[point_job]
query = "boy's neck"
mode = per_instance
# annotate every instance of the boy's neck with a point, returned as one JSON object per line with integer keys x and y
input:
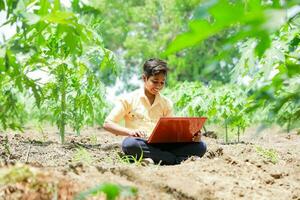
{"x": 151, "y": 97}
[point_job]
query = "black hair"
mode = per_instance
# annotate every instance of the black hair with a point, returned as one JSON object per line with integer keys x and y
{"x": 155, "y": 66}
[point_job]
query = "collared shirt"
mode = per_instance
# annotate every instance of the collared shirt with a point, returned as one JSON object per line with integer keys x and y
{"x": 137, "y": 111}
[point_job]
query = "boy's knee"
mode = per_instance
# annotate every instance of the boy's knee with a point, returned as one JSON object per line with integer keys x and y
{"x": 202, "y": 148}
{"x": 131, "y": 145}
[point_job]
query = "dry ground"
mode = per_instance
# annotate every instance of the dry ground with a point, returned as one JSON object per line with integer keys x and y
{"x": 235, "y": 171}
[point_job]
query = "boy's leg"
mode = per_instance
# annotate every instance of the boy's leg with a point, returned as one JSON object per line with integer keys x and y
{"x": 135, "y": 147}
{"x": 184, "y": 150}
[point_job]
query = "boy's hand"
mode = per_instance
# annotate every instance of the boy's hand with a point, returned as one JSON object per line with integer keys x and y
{"x": 197, "y": 137}
{"x": 137, "y": 133}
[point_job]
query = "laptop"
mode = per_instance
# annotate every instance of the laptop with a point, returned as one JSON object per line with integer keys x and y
{"x": 176, "y": 129}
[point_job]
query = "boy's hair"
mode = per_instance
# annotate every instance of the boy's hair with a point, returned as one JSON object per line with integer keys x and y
{"x": 155, "y": 66}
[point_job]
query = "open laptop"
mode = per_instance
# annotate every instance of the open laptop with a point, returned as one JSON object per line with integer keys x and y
{"x": 176, "y": 129}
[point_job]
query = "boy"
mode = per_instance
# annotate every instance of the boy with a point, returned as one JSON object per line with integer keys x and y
{"x": 141, "y": 110}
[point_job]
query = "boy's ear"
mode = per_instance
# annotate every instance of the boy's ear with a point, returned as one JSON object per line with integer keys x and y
{"x": 144, "y": 77}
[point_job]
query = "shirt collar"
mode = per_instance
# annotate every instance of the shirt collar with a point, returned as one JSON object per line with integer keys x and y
{"x": 142, "y": 95}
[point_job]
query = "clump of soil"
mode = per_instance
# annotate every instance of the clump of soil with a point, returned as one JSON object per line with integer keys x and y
{"x": 29, "y": 183}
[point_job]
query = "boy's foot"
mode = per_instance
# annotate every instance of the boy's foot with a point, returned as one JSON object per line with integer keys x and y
{"x": 180, "y": 159}
{"x": 147, "y": 162}
{"x": 191, "y": 159}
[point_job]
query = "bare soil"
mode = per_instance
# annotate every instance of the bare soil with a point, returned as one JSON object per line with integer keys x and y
{"x": 235, "y": 171}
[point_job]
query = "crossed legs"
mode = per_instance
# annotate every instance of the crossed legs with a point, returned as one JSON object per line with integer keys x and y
{"x": 166, "y": 153}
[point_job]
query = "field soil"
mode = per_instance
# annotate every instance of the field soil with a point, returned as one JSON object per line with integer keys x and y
{"x": 35, "y": 165}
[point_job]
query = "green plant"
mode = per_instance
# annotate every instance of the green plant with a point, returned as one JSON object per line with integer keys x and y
{"x": 15, "y": 174}
{"x": 93, "y": 139}
{"x": 12, "y": 109}
{"x": 253, "y": 19}
{"x": 111, "y": 191}
{"x": 288, "y": 115}
{"x": 269, "y": 154}
{"x": 40, "y": 129}
{"x": 221, "y": 104}
{"x": 129, "y": 159}
{"x": 272, "y": 30}
{"x": 51, "y": 38}
{"x": 231, "y": 104}
{"x": 25, "y": 177}
{"x": 83, "y": 156}
{"x": 5, "y": 144}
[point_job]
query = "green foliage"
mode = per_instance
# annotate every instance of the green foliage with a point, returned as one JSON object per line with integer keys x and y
{"x": 129, "y": 159}
{"x": 111, "y": 191}
{"x": 83, "y": 156}
{"x": 13, "y": 82}
{"x": 25, "y": 177}
{"x": 50, "y": 38}
{"x": 202, "y": 62}
{"x": 139, "y": 30}
{"x": 272, "y": 30}
{"x": 72, "y": 95}
{"x": 93, "y": 139}
{"x": 222, "y": 104}
{"x": 269, "y": 154}
{"x": 253, "y": 18}
{"x": 11, "y": 110}
{"x": 16, "y": 174}
{"x": 5, "y": 147}
{"x": 274, "y": 79}
{"x": 288, "y": 115}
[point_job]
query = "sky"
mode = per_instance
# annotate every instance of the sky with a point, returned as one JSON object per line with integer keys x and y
{"x": 6, "y": 31}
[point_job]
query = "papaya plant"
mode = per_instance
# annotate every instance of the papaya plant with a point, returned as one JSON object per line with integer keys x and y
{"x": 220, "y": 104}
{"x": 231, "y": 103}
{"x": 49, "y": 37}
{"x": 14, "y": 82}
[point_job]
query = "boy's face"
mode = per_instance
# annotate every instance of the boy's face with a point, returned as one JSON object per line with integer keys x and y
{"x": 154, "y": 84}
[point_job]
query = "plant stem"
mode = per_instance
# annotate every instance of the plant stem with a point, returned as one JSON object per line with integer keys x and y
{"x": 204, "y": 129}
{"x": 62, "y": 119}
{"x": 226, "y": 132}
{"x": 289, "y": 125}
{"x": 238, "y": 133}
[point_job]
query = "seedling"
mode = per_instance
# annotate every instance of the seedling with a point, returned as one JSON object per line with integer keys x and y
{"x": 129, "y": 159}
{"x": 6, "y": 146}
{"x": 93, "y": 139}
{"x": 111, "y": 191}
{"x": 269, "y": 154}
{"x": 15, "y": 174}
{"x": 83, "y": 156}
{"x": 24, "y": 175}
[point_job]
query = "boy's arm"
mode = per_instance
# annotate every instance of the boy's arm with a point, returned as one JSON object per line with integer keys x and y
{"x": 197, "y": 137}
{"x": 120, "y": 130}
{"x": 169, "y": 109}
{"x": 118, "y": 112}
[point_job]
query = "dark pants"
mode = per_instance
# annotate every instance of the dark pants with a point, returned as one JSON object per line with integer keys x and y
{"x": 165, "y": 153}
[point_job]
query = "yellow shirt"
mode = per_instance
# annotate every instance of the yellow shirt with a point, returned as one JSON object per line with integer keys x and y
{"x": 137, "y": 111}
